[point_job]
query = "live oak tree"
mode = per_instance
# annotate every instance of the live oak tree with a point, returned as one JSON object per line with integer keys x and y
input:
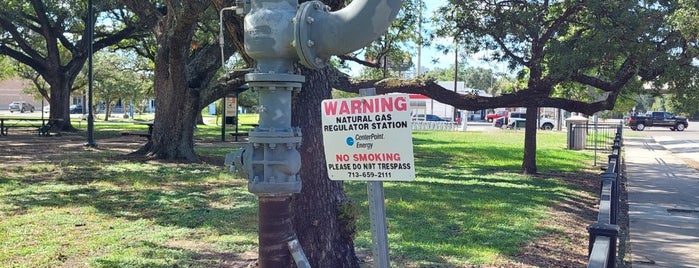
{"x": 325, "y": 236}
{"x": 323, "y": 216}
{"x": 6, "y": 69}
{"x": 473, "y": 77}
{"x": 605, "y": 47}
{"x": 684, "y": 92}
{"x": 184, "y": 72}
{"x": 50, "y": 36}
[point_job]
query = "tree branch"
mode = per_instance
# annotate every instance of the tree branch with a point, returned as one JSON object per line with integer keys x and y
{"x": 30, "y": 57}
{"x": 360, "y": 61}
{"x": 471, "y": 102}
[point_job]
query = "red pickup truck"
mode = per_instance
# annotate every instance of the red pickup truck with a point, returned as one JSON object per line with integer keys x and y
{"x": 496, "y": 115}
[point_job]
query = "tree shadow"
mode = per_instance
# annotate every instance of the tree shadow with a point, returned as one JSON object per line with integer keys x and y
{"x": 461, "y": 216}
{"x": 167, "y": 194}
{"x": 180, "y": 256}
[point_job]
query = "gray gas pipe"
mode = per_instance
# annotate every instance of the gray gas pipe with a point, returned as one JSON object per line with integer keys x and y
{"x": 279, "y": 33}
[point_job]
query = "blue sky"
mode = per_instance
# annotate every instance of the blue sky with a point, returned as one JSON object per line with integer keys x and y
{"x": 442, "y": 60}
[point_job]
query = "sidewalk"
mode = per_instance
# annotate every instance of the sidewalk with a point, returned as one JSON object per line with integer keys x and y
{"x": 663, "y": 196}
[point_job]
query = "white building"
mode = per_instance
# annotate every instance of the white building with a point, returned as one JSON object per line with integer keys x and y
{"x": 421, "y": 104}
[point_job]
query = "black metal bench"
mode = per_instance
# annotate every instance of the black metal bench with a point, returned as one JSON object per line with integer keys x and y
{"x": 42, "y": 126}
{"x": 145, "y": 135}
{"x": 236, "y": 135}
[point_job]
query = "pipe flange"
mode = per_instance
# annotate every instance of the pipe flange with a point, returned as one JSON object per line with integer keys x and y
{"x": 243, "y": 161}
{"x": 303, "y": 41}
{"x": 274, "y": 77}
{"x": 276, "y": 188}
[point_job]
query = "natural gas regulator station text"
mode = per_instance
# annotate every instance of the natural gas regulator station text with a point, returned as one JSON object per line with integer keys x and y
{"x": 364, "y": 122}
{"x": 365, "y": 115}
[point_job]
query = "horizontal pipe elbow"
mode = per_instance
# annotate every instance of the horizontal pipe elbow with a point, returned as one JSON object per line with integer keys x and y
{"x": 319, "y": 33}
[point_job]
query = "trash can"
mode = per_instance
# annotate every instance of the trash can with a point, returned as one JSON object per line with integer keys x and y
{"x": 577, "y": 132}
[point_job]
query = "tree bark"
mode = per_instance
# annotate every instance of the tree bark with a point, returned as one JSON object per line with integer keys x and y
{"x": 326, "y": 236}
{"x": 529, "y": 160}
{"x": 60, "y": 102}
{"x": 176, "y": 103}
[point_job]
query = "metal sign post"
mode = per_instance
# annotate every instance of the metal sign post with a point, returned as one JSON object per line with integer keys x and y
{"x": 377, "y": 212}
{"x": 223, "y": 118}
{"x": 379, "y": 230}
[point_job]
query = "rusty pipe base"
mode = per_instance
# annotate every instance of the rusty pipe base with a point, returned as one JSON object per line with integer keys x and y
{"x": 275, "y": 231}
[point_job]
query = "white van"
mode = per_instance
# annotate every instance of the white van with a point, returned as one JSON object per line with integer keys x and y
{"x": 544, "y": 123}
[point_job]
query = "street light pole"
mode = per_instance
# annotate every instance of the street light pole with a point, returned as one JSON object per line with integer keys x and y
{"x": 90, "y": 37}
{"x": 419, "y": 40}
{"x": 456, "y": 72}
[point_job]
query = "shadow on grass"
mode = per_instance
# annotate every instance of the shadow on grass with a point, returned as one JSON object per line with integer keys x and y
{"x": 183, "y": 256}
{"x": 561, "y": 247}
{"x": 469, "y": 218}
{"x": 169, "y": 195}
{"x": 460, "y": 211}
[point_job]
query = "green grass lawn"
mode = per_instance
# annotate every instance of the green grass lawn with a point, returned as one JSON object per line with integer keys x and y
{"x": 468, "y": 205}
{"x": 210, "y": 131}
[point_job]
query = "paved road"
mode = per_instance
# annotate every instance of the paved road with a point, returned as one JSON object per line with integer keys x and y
{"x": 663, "y": 198}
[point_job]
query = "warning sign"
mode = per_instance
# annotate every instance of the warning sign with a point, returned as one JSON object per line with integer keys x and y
{"x": 369, "y": 138}
{"x": 231, "y": 106}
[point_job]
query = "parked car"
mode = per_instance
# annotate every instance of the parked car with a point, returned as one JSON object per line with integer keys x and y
{"x": 47, "y": 109}
{"x": 514, "y": 118}
{"x": 496, "y": 115}
{"x": 428, "y": 117}
{"x": 21, "y": 106}
{"x": 76, "y": 109}
{"x": 657, "y": 119}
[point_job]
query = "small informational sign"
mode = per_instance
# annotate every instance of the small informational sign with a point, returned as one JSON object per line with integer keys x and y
{"x": 369, "y": 138}
{"x": 231, "y": 106}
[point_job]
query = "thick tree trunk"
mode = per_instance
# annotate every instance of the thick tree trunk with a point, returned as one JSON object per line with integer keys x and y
{"x": 176, "y": 102}
{"x": 173, "y": 128}
{"x": 326, "y": 237}
{"x": 200, "y": 119}
{"x": 175, "y": 115}
{"x": 60, "y": 102}
{"x": 529, "y": 161}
